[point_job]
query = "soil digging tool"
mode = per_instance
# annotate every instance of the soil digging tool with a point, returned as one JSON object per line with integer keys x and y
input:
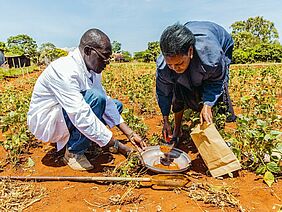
{"x": 160, "y": 180}
{"x": 168, "y": 143}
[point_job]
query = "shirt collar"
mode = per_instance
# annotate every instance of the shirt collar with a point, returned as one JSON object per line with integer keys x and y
{"x": 76, "y": 55}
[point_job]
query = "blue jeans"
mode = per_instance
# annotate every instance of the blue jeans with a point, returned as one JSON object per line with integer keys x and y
{"x": 78, "y": 143}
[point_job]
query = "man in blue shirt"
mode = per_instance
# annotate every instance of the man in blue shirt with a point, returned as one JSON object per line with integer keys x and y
{"x": 193, "y": 71}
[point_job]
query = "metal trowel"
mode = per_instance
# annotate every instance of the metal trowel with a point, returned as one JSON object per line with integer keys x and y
{"x": 166, "y": 147}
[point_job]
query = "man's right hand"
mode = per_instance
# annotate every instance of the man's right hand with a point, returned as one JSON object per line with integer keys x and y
{"x": 123, "y": 149}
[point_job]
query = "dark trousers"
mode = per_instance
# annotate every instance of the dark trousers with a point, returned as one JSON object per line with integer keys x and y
{"x": 185, "y": 98}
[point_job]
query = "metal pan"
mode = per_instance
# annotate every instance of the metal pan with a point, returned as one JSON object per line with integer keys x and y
{"x": 152, "y": 155}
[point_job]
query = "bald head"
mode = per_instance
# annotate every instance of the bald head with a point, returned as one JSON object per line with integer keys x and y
{"x": 97, "y": 39}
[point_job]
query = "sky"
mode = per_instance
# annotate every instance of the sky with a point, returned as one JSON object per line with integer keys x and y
{"x": 133, "y": 23}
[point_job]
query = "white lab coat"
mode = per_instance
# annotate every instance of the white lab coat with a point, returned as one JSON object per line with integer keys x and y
{"x": 59, "y": 86}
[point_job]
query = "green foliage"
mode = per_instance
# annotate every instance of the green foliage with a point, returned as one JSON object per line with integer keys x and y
{"x": 129, "y": 167}
{"x": 13, "y": 72}
{"x": 268, "y": 178}
{"x": 46, "y": 46}
{"x": 150, "y": 54}
{"x": 49, "y": 52}
{"x": 22, "y": 45}
{"x": 263, "y": 52}
{"x": 134, "y": 84}
{"x": 244, "y": 40}
{"x": 116, "y": 47}
{"x": 154, "y": 50}
{"x": 267, "y": 52}
{"x": 3, "y": 46}
{"x": 256, "y": 137}
{"x": 14, "y": 105}
{"x": 139, "y": 56}
{"x": 154, "y": 140}
{"x": 258, "y": 27}
{"x": 134, "y": 122}
{"x": 255, "y": 40}
{"x": 241, "y": 56}
{"x": 126, "y": 56}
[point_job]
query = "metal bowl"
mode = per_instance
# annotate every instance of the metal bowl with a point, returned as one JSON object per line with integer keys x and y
{"x": 153, "y": 155}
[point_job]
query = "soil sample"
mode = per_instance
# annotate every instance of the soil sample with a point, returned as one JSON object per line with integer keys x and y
{"x": 167, "y": 166}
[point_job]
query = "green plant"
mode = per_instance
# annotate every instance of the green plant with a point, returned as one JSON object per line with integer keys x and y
{"x": 128, "y": 167}
{"x": 14, "y": 105}
{"x": 134, "y": 122}
{"x": 257, "y": 135}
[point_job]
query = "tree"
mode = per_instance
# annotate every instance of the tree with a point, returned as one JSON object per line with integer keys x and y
{"x": 22, "y": 45}
{"x": 240, "y": 56}
{"x": 253, "y": 31}
{"x": 245, "y": 40}
{"x": 154, "y": 49}
{"x": 46, "y": 46}
{"x": 139, "y": 56}
{"x": 126, "y": 56}
{"x": 116, "y": 47}
{"x": 255, "y": 40}
{"x": 3, "y": 46}
{"x": 150, "y": 54}
{"x": 49, "y": 52}
{"x": 267, "y": 52}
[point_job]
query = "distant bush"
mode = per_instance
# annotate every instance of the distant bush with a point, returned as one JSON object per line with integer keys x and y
{"x": 263, "y": 52}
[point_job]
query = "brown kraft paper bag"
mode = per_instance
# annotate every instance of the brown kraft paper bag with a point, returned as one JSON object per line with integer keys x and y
{"x": 216, "y": 154}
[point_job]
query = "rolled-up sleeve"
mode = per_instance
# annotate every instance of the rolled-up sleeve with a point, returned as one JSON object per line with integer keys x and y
{"x": 67, "y": 93}
{"x": 111, "y": 114}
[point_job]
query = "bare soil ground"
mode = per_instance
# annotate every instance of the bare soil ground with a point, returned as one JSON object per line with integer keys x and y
{"x": 249, "y": 189}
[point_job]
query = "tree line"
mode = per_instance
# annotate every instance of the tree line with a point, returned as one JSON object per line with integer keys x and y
{"x": 25, "y": 45}
{"x": 255, "y": 40}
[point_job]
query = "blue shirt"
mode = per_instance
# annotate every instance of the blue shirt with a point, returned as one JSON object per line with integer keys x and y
{"x": 208, "y": 70}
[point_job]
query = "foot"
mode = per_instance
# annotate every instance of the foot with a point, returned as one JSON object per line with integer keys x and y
{"x": 77, "y": 161}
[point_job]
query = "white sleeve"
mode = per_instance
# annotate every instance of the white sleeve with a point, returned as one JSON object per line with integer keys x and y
{"x": 67, "y": 93}
{"x": 111, "y": 115}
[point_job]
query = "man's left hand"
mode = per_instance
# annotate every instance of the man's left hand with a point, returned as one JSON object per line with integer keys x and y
{"x": 137, "y": 141}
{"x": 206, "y": 114}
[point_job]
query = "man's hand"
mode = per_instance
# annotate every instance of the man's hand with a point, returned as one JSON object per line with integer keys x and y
{"x": 206, "y": 114}
{"x": 137, "y": 141}
{"x": 123, "y": 149}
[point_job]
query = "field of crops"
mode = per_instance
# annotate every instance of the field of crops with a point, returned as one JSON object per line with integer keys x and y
{"x": 255, "y": 139}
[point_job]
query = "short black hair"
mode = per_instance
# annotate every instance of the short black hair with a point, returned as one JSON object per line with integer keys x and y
{"x": 176, "y": 40}
{"x": 95, "y": 38}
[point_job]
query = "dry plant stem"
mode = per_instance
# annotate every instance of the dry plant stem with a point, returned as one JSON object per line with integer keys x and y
{"x": 274, "y": 194}
{"x": 131, "y": 188}
{"x": 198, "y": 205}
{"x": 204, "y": 191}
{"x": 18, "y": 196}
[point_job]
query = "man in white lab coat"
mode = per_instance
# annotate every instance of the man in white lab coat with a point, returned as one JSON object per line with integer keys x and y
{"x": 69, "y": 105}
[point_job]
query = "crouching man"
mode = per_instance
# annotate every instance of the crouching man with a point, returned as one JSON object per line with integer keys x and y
{"x": 69, "y": 105}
